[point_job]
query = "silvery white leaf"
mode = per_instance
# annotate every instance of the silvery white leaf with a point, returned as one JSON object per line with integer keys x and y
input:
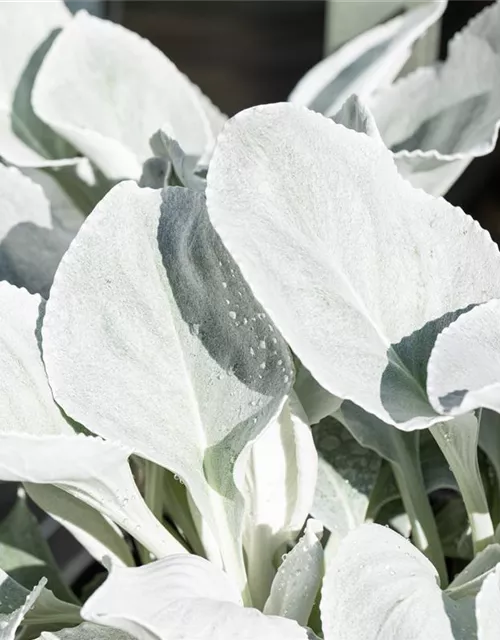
{"x": 96, "y": 533}
{"x": 278, "y": 488}
{"x": 190, "y": 369}
{"x": 316, "y": 401}
{"x": 86, "y": 631}
{"x": 379, "y": 585}
{"x": 356, "y": 115}
{"x": 439, "y": 118}
{"x": 33, "y": 235}
{"x": 488, "y": 607}
{"x": 464, "y": 367}
{"x": 111, "y": 122}
{"x": 340, "y": 295}
{"x": 298, "y": 579}
{"x": 368, "y": 62}
{"x": 469, "y": 581}
{"x": 26, "y": 32}
{"x": 38, "y": 445}
{"x": 16, "y": 18}
{"x": 181, "y": 597}
{"x": 347, "y": 473}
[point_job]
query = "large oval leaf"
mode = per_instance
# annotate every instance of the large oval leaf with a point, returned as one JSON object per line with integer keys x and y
{"x": 358, "y": 270}
{"x": 381, "y": 574}
{"x": 189, "y": 368}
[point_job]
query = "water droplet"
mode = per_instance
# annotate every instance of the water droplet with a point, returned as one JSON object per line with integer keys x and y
{"x": 286, "y": 378}
{"x": 274, "y": 340}
{"x": 195, "y": 329}
{"x": 245, "y": 320}
{"x": 254, "y": 420}
{"x": 280, "y": 362}
{"x": 224, "y": 284}
{"x": 228, "y": 301}
{"x": 220, "y": 376}
{"x": 232, "y": 315}
{"x": 283, "y": 557}
{"x": 262, "y": 365}
{"x": 252, "y": 352}
{"x": 262, "y": 344}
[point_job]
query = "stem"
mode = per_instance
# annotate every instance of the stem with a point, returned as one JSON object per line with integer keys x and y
{"x": 153, "y": 488}
{"x": 410, "y": 481}
{"x": 178, "y": 510}
{"x": 230, "y": 550}
{"x": 458, "y": 442}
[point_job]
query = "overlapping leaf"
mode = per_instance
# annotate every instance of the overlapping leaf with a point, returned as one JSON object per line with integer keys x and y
{"x": 181, "y": 597}
{"x": 464, "y": 367}
{"x": 34, "y": 233}
{"x": 439, "y": 118}
{"x": 380, "y": 575}
{"x": 38, "y": 445}
{"x": 24, "y": 139}
{"x": 126, "y": 89}
{"x": 368, "y": 62}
